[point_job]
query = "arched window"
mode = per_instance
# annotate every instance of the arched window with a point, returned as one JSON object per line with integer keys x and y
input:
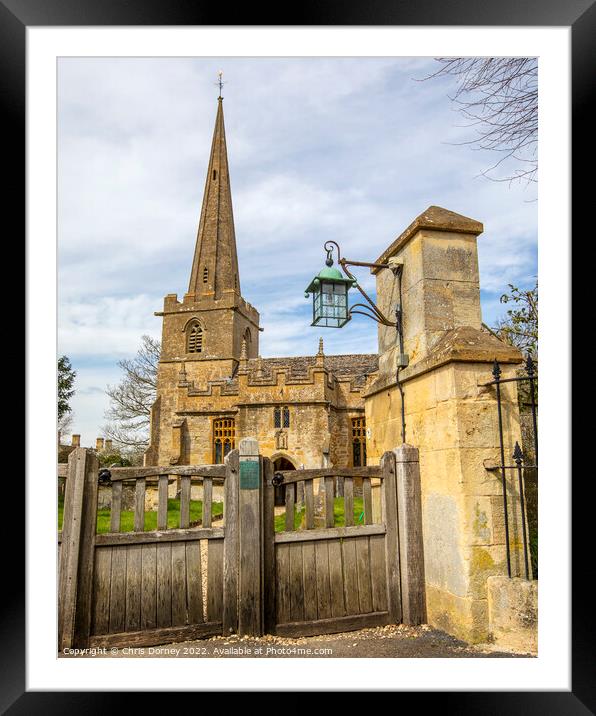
{"x": 247, "y": 337}
{"x": 224, "y": 438}
{"x": 194, "y": 338}
{"x": 358, "y": 442}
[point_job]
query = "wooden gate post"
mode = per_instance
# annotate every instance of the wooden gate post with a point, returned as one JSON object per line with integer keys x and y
{"x": 389, "y": 515}
{"x": 268, "y": 590}
{"x": 231, "y": 545}
{"x": 411, "y": 548}
{"x": 250, "y": 514}
{"x": 77, "y": 550}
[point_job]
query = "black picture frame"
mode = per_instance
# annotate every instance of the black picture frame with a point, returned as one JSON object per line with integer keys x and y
{"x": 579, "y": 15}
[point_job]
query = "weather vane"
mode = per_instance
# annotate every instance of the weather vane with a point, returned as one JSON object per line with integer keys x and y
{"x": 220, "y": 82}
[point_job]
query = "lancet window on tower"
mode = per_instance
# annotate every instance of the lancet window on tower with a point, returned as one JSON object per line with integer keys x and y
{"x": 194, "y": 338}
{"x": 205, "y": 274}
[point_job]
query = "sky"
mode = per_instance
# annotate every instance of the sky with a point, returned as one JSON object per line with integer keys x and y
{"x": 349, "y": 149}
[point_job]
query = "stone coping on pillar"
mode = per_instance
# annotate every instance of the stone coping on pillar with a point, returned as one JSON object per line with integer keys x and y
{"x": 459, "y": 345}
{"x": 435, "y": 218}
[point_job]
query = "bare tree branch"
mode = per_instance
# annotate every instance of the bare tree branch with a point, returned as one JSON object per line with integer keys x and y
{"x": 65, "y": 423}
{"x": 131, "y": 400}
{"x": 499, "y": 98}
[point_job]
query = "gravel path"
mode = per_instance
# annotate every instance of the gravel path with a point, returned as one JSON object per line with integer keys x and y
{"x": 391, "y": 641}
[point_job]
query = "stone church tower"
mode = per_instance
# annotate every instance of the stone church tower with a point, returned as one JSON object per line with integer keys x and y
{"x": 213, "y": 387}
{"x": 207, "y": 328}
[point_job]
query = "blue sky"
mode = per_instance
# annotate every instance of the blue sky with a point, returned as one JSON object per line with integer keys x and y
{"x": 350, "y": 149}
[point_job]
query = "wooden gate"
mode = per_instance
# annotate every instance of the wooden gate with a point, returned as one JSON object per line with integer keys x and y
{"x": 176, "y": 575}
{"x": 330, "y": 568}
{"x": 145, "y": 586}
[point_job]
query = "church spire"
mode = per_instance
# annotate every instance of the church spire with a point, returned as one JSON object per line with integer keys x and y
{"x": 215, "y": 264}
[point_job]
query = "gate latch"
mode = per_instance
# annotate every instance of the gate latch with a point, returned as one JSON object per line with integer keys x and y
{"x": 277, "y": 479}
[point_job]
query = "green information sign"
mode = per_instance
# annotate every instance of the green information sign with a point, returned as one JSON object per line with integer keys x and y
{"x": 249, "y": 474}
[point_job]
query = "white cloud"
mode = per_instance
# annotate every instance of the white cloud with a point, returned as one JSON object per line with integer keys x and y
{"x": 107, "y": 326}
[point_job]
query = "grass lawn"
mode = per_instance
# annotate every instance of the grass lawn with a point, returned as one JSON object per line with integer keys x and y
{"x": 196, "y": 515}
{"x": 339, "y": 517}
{"x": 127, "y": 516}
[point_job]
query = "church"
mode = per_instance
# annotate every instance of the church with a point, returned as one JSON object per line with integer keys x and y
{"x": 213, "y": 386}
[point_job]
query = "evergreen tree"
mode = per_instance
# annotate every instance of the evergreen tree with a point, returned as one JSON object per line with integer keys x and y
{"x": 66, "y": 379}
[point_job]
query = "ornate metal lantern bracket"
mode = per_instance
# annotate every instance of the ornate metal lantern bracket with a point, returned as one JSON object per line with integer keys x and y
{"x": 371, "y": 310}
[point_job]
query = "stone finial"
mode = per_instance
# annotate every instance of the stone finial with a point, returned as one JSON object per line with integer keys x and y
{"x": 76, "y": 441}
{"x": 320, "y": 358}
{"x": 259, "y": 367}
{"x": 99, "y": 443}
{"x": 243, "y": 351}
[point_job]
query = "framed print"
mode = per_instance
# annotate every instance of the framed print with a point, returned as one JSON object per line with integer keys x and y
{"x": 237, "y": 485}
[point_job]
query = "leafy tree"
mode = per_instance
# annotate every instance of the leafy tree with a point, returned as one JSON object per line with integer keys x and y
{"x": 131, "y": 400}
{"x": 66, "y": 379}
{"x": 114, "y": 458}
{"x": 499, "y": 97}
{"x": 520, "y": 327}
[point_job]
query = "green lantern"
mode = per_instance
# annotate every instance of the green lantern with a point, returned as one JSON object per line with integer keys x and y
{"x": 330, "y": 297}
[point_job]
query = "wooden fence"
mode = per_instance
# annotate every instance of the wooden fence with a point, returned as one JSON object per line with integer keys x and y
{"x": 190, "y": 581}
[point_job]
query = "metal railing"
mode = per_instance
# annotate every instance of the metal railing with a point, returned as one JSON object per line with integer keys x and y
{"x": 521, "y": 464}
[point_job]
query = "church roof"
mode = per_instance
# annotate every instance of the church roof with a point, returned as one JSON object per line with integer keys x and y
{"x": 351, "y": 365}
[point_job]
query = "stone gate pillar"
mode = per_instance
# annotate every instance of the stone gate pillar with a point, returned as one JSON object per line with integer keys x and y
{"x": 451, "y": 416}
